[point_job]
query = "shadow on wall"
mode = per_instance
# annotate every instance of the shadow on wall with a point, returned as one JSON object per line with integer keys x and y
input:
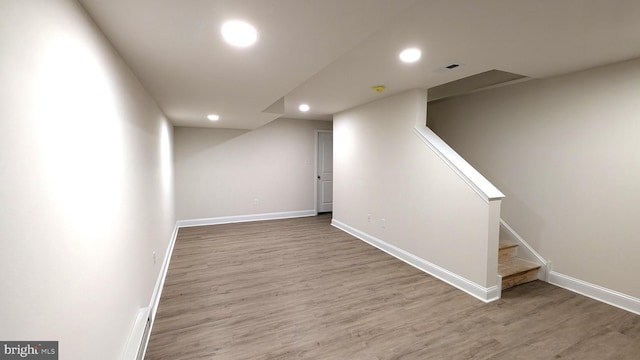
{"x": 209, "y": 138}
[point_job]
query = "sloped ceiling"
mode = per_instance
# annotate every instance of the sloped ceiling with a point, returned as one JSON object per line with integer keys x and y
{"x": 329, "y": 53}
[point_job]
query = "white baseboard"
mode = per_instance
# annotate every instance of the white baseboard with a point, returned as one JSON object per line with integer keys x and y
{"x": 468, "y": 286}
{"x": 137, "y": 340}
{"x": 608, "y": 296}
{"x": 157, "y": 290}
{"x": 596, "y": 292}
{"x": 246, "y": 218}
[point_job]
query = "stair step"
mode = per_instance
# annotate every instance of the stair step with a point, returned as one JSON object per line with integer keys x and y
{"x": 507, "y": 244}
{"x": 507, "y": 249}
{"x": 515, "y": 271}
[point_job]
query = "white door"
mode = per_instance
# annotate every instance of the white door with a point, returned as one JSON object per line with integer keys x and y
{"x": 325, "y": 172}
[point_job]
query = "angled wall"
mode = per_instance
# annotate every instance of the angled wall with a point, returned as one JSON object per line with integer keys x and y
{"x": 391, "y": 188}
{"x": 86, "y": 185}
{"x": 565, "y": 152}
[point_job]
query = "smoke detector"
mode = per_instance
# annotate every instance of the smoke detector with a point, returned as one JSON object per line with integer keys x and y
{"x": 378, "y": 88}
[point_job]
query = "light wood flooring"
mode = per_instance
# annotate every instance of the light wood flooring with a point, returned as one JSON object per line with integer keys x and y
{"x": 301, "y": 289}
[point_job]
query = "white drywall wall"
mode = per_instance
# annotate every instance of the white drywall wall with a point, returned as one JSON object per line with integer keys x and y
{"x": 86, "y": 186}
{"x": 565, "y": 152}
{"x": 224, "y": 172}
{"x": 414, "y": 200}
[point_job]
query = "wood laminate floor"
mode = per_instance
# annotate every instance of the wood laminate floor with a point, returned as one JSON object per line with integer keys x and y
{"x": 301, "y": 289}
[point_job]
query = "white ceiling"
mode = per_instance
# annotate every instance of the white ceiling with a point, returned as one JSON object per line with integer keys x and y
{"x": 329, "y": 53}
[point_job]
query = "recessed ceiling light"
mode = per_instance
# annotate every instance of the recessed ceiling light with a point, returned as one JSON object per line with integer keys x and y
{"x": 239, "y": 33}
{"x": 213, "y": 117}
{"x": 304, "y": 107}
{"x": 410, "y": 55}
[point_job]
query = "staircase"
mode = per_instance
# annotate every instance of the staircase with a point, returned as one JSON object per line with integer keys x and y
{"x": 514, "y": 270}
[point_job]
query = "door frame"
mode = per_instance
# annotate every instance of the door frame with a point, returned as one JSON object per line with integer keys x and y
{"x": 315, "y": 169}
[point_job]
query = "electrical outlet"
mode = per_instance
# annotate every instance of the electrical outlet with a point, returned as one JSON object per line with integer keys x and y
{"x": 154, "y": 258}
{"x": 369, "y": 218}
{"x": 256, "y": 201}
{"x": 383, "y": 223}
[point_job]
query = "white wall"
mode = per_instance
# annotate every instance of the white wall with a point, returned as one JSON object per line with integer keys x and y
{"x": 565, "y": 152}
{"x": 220, "y": 172}
{"x": 382, "y": 168}
{"x": 86, "y": 186}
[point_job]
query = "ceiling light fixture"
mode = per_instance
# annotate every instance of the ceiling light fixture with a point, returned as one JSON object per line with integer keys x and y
{"x": 304, "y": 107}
{"x": 213, "y": 117}
{"x": 239, "y": 33}
{"x": 410, "y": 55}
